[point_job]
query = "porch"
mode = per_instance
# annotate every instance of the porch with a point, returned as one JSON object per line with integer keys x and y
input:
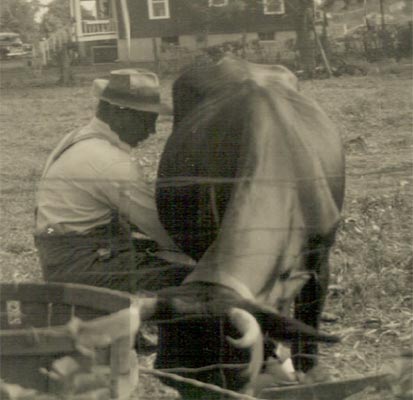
{"x": 100, "y": 29}
{"x": 94, "y": 20}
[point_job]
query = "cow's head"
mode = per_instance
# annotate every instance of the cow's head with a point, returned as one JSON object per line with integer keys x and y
{"x": 218, "y": 334}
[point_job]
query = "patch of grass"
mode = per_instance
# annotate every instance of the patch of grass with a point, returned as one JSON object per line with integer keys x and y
{"x": 358, "y": 108}
{"x": 372, "y": 225}
{"x": 372, "y": 264}
{"x": 17, "y": 248}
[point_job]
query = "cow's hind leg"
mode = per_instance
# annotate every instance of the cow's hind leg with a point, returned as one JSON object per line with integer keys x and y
{"x": 310, "y": 302}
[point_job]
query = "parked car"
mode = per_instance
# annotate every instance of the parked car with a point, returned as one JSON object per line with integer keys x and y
{"x": 11, "y": 46}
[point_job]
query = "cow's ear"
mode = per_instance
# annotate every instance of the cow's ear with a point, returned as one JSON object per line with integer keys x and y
{"x": 286, "y": 329}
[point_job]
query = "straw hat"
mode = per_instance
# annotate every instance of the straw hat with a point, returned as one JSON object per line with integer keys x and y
{"x": 137, "y": 89}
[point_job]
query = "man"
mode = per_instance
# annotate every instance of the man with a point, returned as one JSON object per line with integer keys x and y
{"x": 92, "y": 191}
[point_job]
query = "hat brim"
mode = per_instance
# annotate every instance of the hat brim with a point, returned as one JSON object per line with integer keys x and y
{"x": 99, "y": 86}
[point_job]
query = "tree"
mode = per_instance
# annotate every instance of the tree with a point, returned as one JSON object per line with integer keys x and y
{"x": 58, "y": 16}
{"x": 18, "y": 16}
{"x": 408, "y": 9}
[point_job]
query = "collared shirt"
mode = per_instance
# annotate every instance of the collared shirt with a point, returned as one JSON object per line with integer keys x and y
{"x": 80, "y": 188}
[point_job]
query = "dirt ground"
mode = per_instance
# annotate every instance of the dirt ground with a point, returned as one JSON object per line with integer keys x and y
{"x": 370, "y": 300}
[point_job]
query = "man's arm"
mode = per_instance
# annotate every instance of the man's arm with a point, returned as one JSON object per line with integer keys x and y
{"x": 137, "y": 204}
{"x": 124, "y": 189}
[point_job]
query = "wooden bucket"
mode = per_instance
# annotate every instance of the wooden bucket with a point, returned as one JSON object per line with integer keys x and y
{"x": 32, "y": 338}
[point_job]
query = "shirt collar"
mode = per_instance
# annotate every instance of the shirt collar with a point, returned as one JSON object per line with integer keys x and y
{"x": 97, "y": 125}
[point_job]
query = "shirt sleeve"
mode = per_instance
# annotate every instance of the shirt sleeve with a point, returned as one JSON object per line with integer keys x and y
{"x": 123, "y": 188}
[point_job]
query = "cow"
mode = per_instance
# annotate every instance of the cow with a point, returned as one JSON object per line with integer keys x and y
{"x": 250, "y": 185}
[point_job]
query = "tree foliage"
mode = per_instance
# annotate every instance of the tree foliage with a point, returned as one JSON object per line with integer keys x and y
{"x": 56, "y": 17}
{"x": 409, "y": 7}
{"x": 18, "y": 16}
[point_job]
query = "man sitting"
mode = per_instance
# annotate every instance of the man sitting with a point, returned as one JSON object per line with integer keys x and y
{"x": 92, "y": 191}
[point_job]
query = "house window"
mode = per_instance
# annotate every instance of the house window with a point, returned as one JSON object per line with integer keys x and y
{"x": 274, "y": 7}
{"x": 158, "y": 9}
{"x": 217, "y": 3}
{"x": 266, "y": 35}
{"x": 170, "y": 40}
{"x": 169, "y": 43}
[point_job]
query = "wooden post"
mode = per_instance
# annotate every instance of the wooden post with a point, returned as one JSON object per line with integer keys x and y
{"x": 65, "y": 61}
{"x": 305, "y": 40}
{"x": 324, "y": 34}
{"x": 124, "y": 368}
{"x": 323, "y": 54}
{"x": 43, "y": 54}
{"x": 384, "y": 41}
{"x": 244, "y": 43}
{"x": 383, "y": 23}
{"x": 156, "y": 56}
{"x": 78, "y": 18}
{"x": 126, "y": 26}
{"x": 320, "y": 47}
{"x": 72, "y": 9}
{"x": 47, "y": 48}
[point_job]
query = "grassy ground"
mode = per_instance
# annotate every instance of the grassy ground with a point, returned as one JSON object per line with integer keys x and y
{"x": 370, "y": 301}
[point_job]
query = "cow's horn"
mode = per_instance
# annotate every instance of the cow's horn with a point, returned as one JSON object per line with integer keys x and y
{"x": 247, "y": 325}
